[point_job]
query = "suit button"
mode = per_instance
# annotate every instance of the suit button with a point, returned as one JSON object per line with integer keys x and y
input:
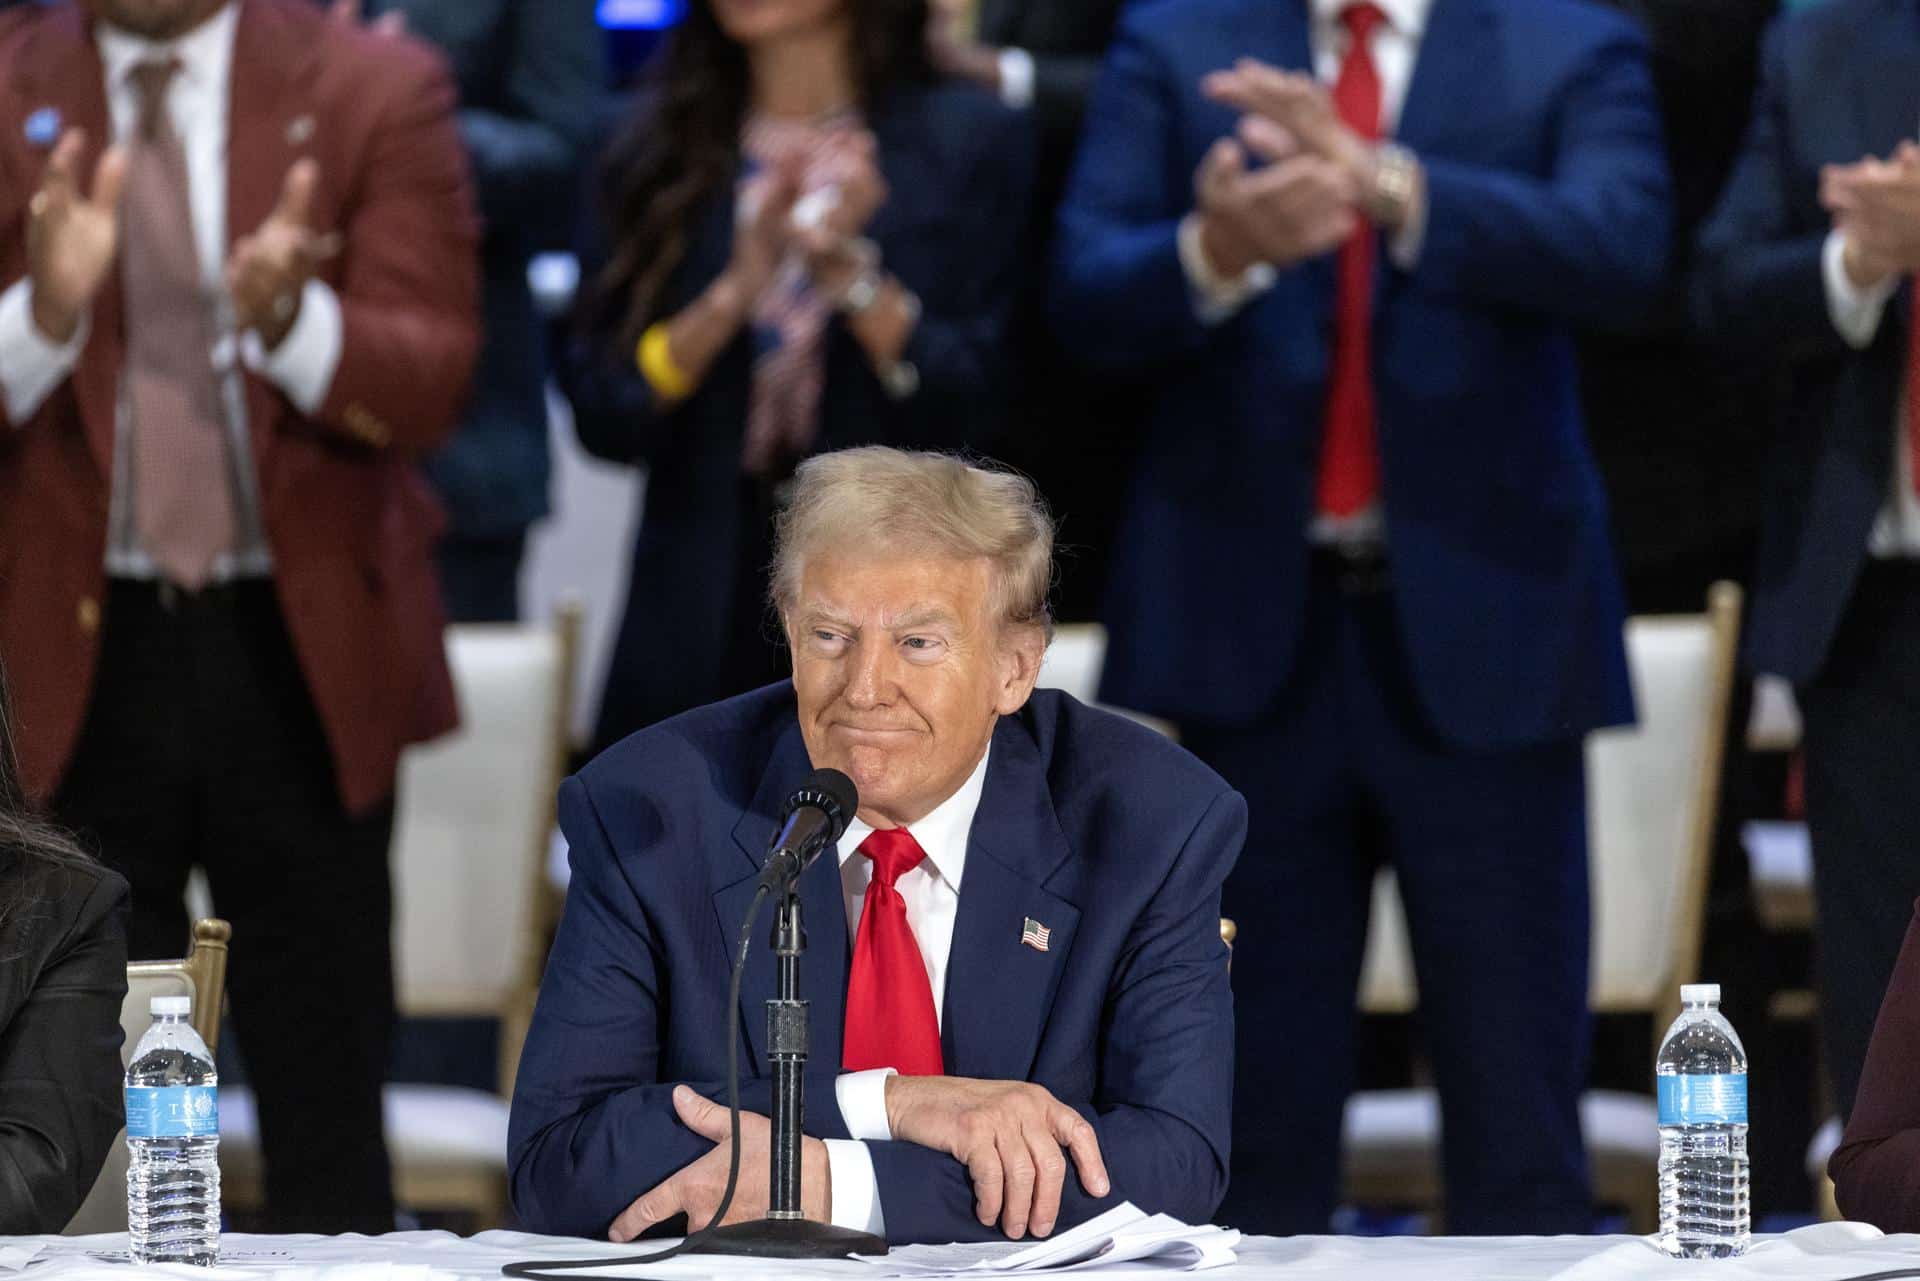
{"x": 89, "y": 615}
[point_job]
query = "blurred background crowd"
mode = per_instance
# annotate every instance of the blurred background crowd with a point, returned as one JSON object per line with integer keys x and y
{"x": 1374, "y": 383}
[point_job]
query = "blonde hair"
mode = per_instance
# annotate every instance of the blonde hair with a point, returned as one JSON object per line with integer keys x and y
{"x": 877, "y": 498}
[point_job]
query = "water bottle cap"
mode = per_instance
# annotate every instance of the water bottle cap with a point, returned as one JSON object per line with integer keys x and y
{"x": 181, "y": 1005}
{"x": 1700, "y": 994}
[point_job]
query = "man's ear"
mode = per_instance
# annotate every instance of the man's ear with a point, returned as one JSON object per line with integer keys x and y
{"x": 1021, "y": 651}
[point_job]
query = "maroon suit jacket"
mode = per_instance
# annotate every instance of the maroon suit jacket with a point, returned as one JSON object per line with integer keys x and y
{"x": 1876, "y": 1169}
{"x": 350, "y": 524}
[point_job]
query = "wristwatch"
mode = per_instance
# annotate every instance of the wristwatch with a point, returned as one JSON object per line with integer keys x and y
{"x": 1396, "y": 174}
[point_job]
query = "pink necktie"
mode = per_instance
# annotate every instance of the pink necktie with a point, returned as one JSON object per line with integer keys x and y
{"x": 182, "y": 484}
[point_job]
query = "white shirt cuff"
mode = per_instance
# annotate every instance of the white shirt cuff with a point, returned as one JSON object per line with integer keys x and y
{"x": 31, "y": 364}
{"x": 856, "y": 1194}
{"x": 304, "y": 363}
{"x": 1404, "y": 246}
{"x": 1217, "y": 299}
{"x": 862, "y": 1097}
{"x": 1855, "y": 311}
{"x": 1016, "y": 78}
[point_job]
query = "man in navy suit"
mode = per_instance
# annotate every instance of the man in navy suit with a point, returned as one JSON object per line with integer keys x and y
{"x": 1367, "y": 567}
{"x": 1023, "y": 920}
{"x": 1811, "y": 257}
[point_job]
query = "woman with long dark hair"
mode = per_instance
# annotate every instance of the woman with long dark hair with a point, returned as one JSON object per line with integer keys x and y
{"x": 812, "y": 244}
{"x": 63, "y": 975}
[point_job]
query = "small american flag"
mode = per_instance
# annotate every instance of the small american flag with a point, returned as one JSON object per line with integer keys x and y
{"x": 1035, "y": 935}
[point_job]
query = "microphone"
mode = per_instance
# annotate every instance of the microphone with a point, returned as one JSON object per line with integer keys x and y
{"x": 816, "y": 814}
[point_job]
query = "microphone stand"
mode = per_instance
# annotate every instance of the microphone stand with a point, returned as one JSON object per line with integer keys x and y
{"x": 786, "y": 1233}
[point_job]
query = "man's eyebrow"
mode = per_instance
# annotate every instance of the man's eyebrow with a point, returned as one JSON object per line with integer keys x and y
{"x": 930, "y": 616}
{"x": 821, "y": 612}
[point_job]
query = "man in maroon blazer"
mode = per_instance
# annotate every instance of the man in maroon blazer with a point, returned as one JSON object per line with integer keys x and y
{"x": 238, "y": 298}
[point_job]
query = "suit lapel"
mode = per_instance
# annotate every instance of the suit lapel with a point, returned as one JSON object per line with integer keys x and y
{"x": 1457, "y": 78}
{"x": 823, "y": 971}
{"x": 271, "y": 123}
{"x": 1888, "y": 87}
{"x": 68, "y": 77}
{"x": 999, "y": 990}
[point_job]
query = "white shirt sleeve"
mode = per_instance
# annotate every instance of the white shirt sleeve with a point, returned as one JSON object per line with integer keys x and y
{"x": 304, "y": 363}
{"x": 856, "y": 1194}
{"x": 1217, "y": 299}
{"x": 1856, "y": 312}
{"x": 1016, "y": 78}
{"x": 1404, "y": 246}
{"x": 862, "y": 1097}
{"x": 31, "y": 365}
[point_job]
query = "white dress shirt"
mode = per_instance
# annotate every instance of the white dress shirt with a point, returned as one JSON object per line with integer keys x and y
{"x": 1857, "y": 314}
{"x": 303, "y": 366}
{"x": 932, "y": 894}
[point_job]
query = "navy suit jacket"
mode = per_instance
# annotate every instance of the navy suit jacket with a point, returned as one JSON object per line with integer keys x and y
{"x": 531, "y": 76}
{"x": 1837, "y": 83}
{"x": 1548, "y": 210}
{"x": 1107, "y": 834}
{"x": 958, "y": 168}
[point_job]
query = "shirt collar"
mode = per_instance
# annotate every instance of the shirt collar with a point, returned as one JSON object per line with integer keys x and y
{"x": 205, "y": 53}
{"x": 1408, "y": 18}
{"x": 942, "y": 834}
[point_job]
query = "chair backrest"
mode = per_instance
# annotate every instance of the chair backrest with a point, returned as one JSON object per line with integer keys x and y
{"x": 1073, "y": 664}
{"x": 474, "y": 815}
{"x": 1652, "y": 802}
{"x": 201, "y": 976}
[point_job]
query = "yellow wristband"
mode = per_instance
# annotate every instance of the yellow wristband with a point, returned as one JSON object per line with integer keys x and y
{"x": 655, "y": 359}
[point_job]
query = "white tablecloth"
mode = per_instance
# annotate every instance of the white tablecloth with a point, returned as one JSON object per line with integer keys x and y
{"x": 1828, "y": 1252}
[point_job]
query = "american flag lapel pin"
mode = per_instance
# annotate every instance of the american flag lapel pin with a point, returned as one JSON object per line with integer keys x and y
{"x": 1035, "y": 935}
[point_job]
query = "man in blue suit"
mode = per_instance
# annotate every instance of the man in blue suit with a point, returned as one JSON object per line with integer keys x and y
{"x": 1367, "y": 568}
{"x": 1811, "y": 257}
{"x": 1023, "y": 919}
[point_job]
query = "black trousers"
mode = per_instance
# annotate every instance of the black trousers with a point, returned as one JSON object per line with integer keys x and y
{"x": 1862, "y": 721}
{"x": 1491, "y": 855}
{"x": 202, "y": 747}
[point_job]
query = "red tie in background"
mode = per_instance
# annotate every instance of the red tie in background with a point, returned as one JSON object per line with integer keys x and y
{"x": 890, "y": 1016}
{"x": 1349, "y": 456}
{"x": 1913, "y": 386}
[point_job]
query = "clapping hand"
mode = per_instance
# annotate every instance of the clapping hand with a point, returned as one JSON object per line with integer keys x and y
{"x": 1297, "y": 104}
{"x": 73, "y": 232}
{"x": 831, "y": 219}
{"x": 1298, "y": 206}
{"x": 1876, "y": 206}
{"x": 268, "y": 270}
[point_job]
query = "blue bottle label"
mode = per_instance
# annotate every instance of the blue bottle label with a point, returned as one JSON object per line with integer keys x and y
{"x": 1703, "y": 1100}
{"x": 173, "y": 1111}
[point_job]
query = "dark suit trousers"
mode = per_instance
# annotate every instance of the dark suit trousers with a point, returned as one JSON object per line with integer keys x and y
{"x": 1490, "y": 850}
{"x": 1862, "y": 716}
{"x": 202, "y": 746}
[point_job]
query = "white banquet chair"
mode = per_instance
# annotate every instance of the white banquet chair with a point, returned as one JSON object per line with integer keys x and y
{"x": 1652, "y": 799}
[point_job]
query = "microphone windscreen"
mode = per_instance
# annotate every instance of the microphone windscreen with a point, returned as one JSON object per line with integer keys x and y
{"x": 833, "y": 792}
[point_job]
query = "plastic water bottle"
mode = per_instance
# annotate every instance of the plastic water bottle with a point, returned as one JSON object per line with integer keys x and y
{"x": 173, "y": 1142}
{"x": 1706, "y": 1211}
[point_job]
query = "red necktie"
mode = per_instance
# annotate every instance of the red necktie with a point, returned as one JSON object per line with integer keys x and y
{"x": 890, "y": 1016}
{"x": 1913, "y": 386}
{"x": 1349, "y": 456}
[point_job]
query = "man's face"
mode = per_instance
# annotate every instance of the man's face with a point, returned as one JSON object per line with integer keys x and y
{"x": 901, "y": 670}
{"x": 154, "y": 19}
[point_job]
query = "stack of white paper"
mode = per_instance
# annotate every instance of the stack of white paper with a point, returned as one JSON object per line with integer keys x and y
{"x": 1124, "y": 1234}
